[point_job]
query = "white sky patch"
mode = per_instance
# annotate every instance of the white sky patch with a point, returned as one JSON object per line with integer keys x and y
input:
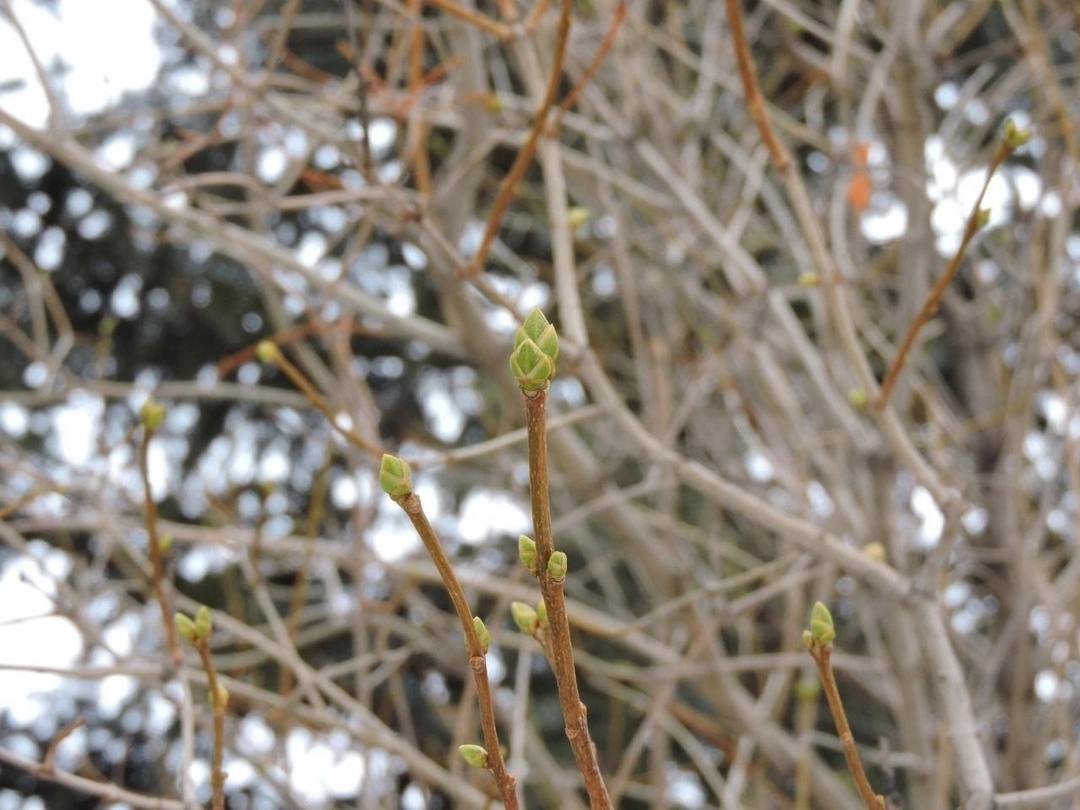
{"x": 487, "y": 512}
{"x": 103, "y": 55}
{"x": 885, "y": 224}
{"x": 51, "y": 641}
{"x": 931, "y": 518}
{"x": 323, "y": 768}
{"x": 77, "y": 426}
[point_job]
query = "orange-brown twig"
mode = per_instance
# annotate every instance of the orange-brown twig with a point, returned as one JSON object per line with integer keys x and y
{"x": 551, "y": 587}
{"x": 754, "y": 99}
{"x": 937, "y": 292}
{"x": 594, "y": 65}
{"x": 474, "y": 17}
{"x": 521, "y": 162}
{"x": 823, "y": 660}
{"x": 151, "y": 416}
{"x": 268, "y": 351}
{"x": 400, "y": 490}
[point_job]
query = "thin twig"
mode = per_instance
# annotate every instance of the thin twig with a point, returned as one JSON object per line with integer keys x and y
{"x": 157, "y": 562}
{"x": 937, "y": 292}
{"x": 598, "y": 59}
{"x": 504, "y": 780}
{"x": 754, "y": 99}
{"x": 268, "y": 351}
{"x": 562, "y": 652}
{"x": 524, "y": 157}
{"x": 219, "y": 699}
{"x": 822, "y": 655}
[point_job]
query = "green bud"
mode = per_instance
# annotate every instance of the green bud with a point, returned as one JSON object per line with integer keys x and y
{"x": 530, "y": 366}
{"x": 184, "y": 626}
{"x": 204, "y": 623}
{"x": 475, "y": 755}
{"x": 537, "y": 329}
{"x": 982, "y": 218}
{"x": 482, "y": 633}
{"x": 822, "y": 630}
{"x": 875, "y": 551}
{"x": 165, "y": 543}
{"x": 556, "y": 567}
{"x": 1015, "y": 136}
{"x": 808, "y": 639}
{"x": 524, "y": 617}
{"x": 577, "y": 216}
{"x": 809, "y": 279}
{"x": 395, "y": 477}
{"x": 858, "y": 398}
{"x": 267, "y": 351}
{"x": 527, "y": 552}
{"x": 541, "y": 612}
{"x": 222, "y": 697}
{"x": 807, "y": 689}
{"x": 152, "y": 414}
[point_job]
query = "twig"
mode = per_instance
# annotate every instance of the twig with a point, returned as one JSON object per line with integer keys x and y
{"x": 106, "y": 791}
{"x": 533, "y": 365}
{"x": 819, "y": 642}
{"x": 152, "y": 415}
{"x": 754, "y": 99}
{"x": 474, "y": 17}
{"x": 268, "y": 352}
{"x": 396, "y": 480}
{"x": 598, "y": 59}
{"x": 521, "y": 162}
{"x": 976, "y": 219}
{"x": 198, "y": 632}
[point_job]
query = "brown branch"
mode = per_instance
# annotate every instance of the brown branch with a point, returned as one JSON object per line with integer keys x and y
{"x": 504, "y": 780}
{"x": 524, "y": 157}
{"x": 267, "y": 351}
{"x": 219, "y": 699}
{"x": 818, "y": 641}
{"x": 594, "y": 65}
{"x": 474, "y": 17}
{"x": 157, "y": 562}
{"x": 754, "y": 99}
{"x": 937, "y": 292}
{"x": 561, "y": 649}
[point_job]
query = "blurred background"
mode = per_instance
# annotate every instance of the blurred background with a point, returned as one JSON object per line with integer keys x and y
{"x": 180, "y": 179}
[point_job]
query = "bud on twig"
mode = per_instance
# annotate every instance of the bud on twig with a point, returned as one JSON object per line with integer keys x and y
{"x": 204, "y": 625}
{"x": 482, "y": 633}
{"x": 395, "y": 477}
{"x": 577, "y": 216}
{"x": 527, "y": 552}
{"x": 541, "y": 613}
{"x": 475, "y": 755}
{"x": 184, "y": 626}
{"x": 530, "y": 366}
{"x": 875, "y": 551}
{"x": 221, "y": 698}
{"x": 536, "y": 347}
{"x": 165, "y": 543}
{"x": 152, "y": 414}
{"x": 556, "y": 567}
{"x": 858, "y": 398}
{"x": 525, "y": 617}
{"x": 267, "y": 351}
{"x": 822, "y": 631}
{"x": 1015, "y": 136}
